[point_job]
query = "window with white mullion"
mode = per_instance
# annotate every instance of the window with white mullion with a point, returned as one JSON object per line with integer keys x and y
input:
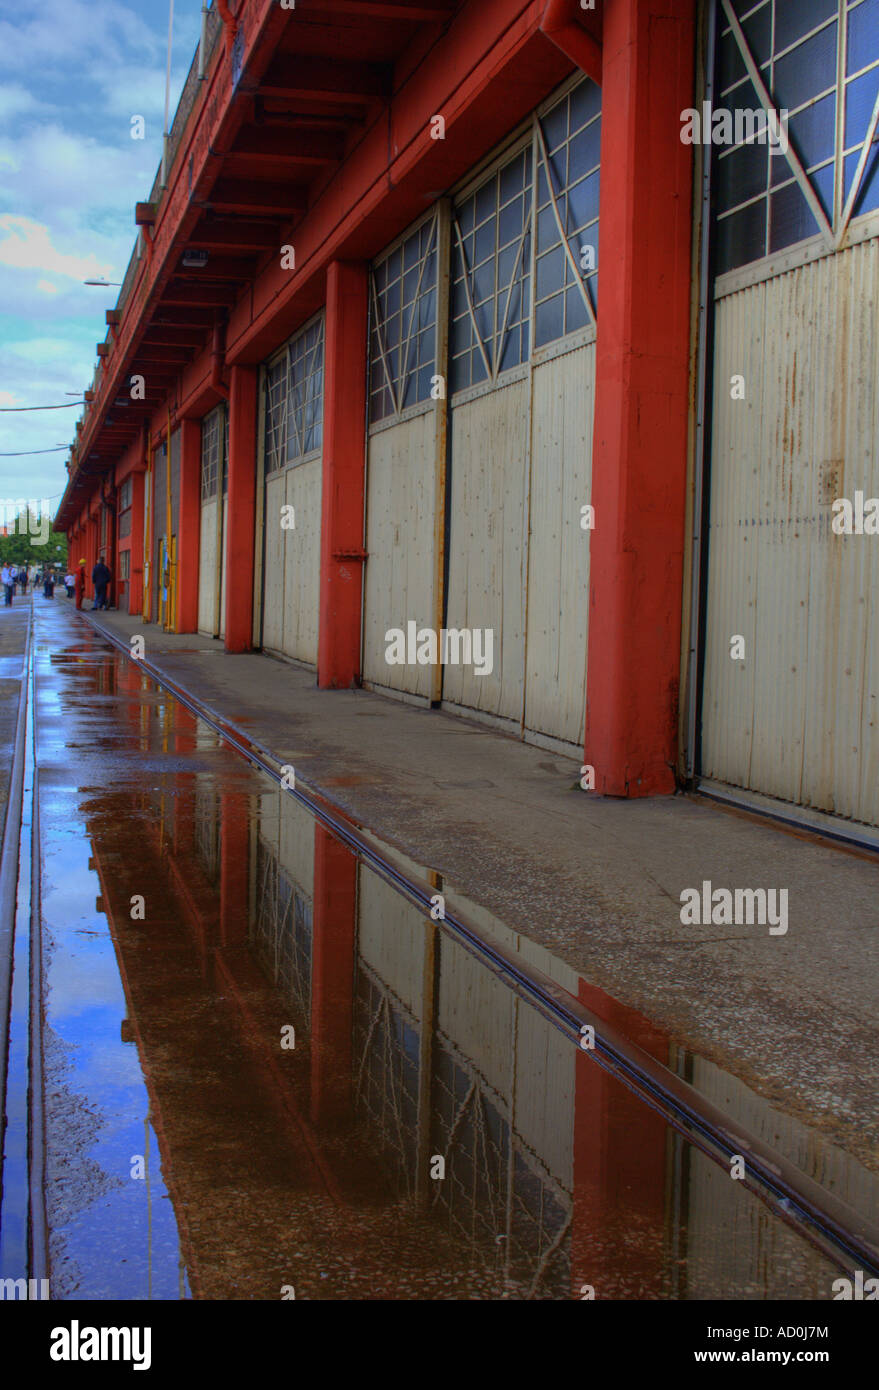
{"x": 294, "y": 399}
{"x": 402, "y": 322}
{"x": 211, "y": 443}
{"x": 819, "y": 61}
{"x": 568, "y": 139}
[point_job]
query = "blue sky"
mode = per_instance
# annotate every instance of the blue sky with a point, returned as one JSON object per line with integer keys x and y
{"x": 72, "y": 75}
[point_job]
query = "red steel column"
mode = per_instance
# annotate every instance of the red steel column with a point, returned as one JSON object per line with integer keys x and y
{"x": 641, "y": 397}
{"x": 234, "y": 868}
{"x": 241, "y": 509}
{"x": 344, "y": 470}
{"x": 189, "y": 526}
{"x": 332, "y": 977}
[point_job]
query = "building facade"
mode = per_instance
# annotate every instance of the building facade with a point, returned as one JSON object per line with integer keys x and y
{"x": 361, "y": 379}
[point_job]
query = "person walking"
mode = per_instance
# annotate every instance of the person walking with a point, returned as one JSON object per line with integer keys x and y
{"x": 49, "y": 584}
{"x": 23, "y": 578}
{"x": 101, "y": 577}
{"x": 7, "y": 581}
{"x": 70, "y": 584}
{"x": 79, "y": 583}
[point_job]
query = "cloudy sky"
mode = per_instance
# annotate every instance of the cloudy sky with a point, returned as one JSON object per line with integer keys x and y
{"x": 72, "y": 75}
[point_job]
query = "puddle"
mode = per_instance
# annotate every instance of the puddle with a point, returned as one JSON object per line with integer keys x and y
{"x": 328, "y": 1093}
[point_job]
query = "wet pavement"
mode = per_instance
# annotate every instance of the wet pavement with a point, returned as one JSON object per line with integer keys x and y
{"x": 269, "y": 1075}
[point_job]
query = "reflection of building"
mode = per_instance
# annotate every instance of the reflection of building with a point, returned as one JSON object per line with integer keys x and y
{"x": 361, "y": 372}
{"x": 287, "y": 1164}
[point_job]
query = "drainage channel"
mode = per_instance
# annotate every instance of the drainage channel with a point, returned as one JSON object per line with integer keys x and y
{"x": 827, "y": 1223}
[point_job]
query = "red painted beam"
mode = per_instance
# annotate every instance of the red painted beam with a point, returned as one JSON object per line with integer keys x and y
{"x": 641, "y": 398}
{"x": 344, "y": 468}
{"x": 241, "y": 504}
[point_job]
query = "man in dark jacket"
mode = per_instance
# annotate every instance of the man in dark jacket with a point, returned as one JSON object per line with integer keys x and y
{"x": 101, "y": 577}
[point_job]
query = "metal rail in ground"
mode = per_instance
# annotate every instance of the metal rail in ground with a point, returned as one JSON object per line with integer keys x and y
{"x": 841, "y": 1233}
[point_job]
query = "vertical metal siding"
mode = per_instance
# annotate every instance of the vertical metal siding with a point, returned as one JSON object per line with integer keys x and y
{"x": 490, "y": 451}
{"x": 400, "y": 530}
{"x": 207, "y": 566}
{"x": 799, "y": 719}
{"x": 273, "y": 593}
{"x": 558, "y": 560}
{"x": 302, "y": 561}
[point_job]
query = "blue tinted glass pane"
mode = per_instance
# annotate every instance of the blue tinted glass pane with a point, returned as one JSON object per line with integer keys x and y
{"x": 585, "y": 103}
{"x": 426, "y": 309}
{"x": 860, "y": 96}
{"x": 741, "y": 237}
{"x": 548, "y": 323}
{"x": 486, "y": 201}
{"x": 806, "y": 70}
{"x": 460, "y": 373}
{"x": 482, "y": 283}
{"x": 583, "y": 152}
{"x": 550, "y": 272}
{"x": 862, "y": 42}
{"x": 423, "y": 387}
{"x": 790, "y": 218}
{"x": 592, "y": 287}
{"x": 740, "y": 175}
{"x": 730, "y": 63}
{"x": 868, "y": 198}
{"x": 555, "y": 126}
{"x": 465, "y": 217}
{"x": 575, "y": 311}
{"x": 547, "y": 230}
{"x": 811, "y": 134}
{"x": 510, "y": 221}
{"x": 484, "y": 242}
{"x": 393, "y": 266}
{"x": 583, "y": 202}
{"x": 477, "y": 368}
{"x": 758, "y": 30}
{"x": 391, "y": 302}
{"x": 793, "y": 18}
{"x": 411, "y": 249}
{"x": 511, "y": 355}
{"x": 512, "y": 178}
{"x": 410, "y": 284}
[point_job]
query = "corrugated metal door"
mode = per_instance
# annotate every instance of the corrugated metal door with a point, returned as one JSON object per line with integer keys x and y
{"x": 292, "y": 454}
{"x": 791, "y": 710}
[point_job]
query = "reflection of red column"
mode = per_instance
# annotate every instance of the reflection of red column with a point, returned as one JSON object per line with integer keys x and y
{"x": 619, "y": 1169}
{"x": 639, "y": 457}
{"x": 241, "y": 510}
{"x": 344, "y": 467}
{"x": 332, "y": 976}
{"x": 185, "y": 736}
{"x": 234, "y": 868}
{"x": 189, "y": 526}
{"x": 135, "y": 582}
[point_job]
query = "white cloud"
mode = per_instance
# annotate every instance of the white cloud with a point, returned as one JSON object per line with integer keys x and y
{"x": 27, "y": 245}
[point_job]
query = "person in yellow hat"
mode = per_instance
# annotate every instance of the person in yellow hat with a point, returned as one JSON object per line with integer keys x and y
{"x": 79, "y": 583}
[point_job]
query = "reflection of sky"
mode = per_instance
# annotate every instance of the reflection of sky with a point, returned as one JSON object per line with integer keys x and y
{"x": 121, "y": 1239}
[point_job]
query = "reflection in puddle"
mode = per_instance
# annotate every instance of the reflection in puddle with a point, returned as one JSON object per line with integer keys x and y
{"x": 346, "y": 1102}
